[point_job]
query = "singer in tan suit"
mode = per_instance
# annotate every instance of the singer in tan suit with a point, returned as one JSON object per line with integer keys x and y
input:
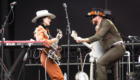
{"x": 110, "y": 41}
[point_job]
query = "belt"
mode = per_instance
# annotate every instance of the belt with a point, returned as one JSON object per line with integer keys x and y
{"x": 117, "y": 44}
{"x": 120, "y": 43}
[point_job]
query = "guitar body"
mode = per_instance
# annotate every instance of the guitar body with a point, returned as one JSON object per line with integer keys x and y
{"x": 98, "y": 50}
{"x": 53, "y": 53}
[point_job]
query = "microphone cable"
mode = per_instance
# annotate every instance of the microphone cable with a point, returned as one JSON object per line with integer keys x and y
{"x": 84, "y": 61}
{"x": 13, "y": 16}
{"x": 35, "y": 53}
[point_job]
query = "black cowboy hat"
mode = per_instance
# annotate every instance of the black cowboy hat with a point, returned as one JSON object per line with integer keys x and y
{"x": 96, "y": 12}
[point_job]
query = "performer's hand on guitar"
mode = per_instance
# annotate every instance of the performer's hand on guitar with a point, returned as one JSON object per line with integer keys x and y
{"x": 79, "y": 40}
{"x": 53, "y": 40}
{"x": 59, "y": 35}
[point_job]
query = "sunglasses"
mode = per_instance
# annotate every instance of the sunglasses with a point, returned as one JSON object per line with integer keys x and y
{"x": 92, "y": 17}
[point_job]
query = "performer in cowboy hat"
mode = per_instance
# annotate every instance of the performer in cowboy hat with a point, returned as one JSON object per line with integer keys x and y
{"x": 110, "y": 41}
{"x": 41, "y": 33}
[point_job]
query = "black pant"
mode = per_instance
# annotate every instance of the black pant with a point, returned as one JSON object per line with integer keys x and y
{"x": 107, "y": 60}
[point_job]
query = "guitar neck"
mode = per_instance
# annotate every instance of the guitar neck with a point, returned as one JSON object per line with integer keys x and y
{"x": 58, "y": 36}
{"x": 75, "y": 36}
{"x": 86, "y": 44}
{"x": 81, "y": 62}
{"x": 91, "y": 71}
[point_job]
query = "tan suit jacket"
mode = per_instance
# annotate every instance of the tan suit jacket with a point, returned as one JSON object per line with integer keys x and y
{"x": 107, "y": 35}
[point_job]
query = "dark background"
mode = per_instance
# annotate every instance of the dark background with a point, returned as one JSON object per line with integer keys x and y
{"x": 126, "y": 14}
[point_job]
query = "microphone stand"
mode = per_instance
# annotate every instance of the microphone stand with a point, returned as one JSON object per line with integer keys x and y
{"x": 133, "y": 52}
{"x": 2, "y": 36}
{"x": 68, "y": 32}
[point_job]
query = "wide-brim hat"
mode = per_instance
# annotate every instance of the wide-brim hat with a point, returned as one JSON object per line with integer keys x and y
{"x": 96, "y": 12}
{"x": 43, "y": 13}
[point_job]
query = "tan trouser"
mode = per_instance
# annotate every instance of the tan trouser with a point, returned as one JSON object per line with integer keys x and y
{"x": 108, "y": 59}
{"x": 52, "y": 68}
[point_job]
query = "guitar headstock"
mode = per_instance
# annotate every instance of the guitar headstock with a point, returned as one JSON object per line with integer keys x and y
{"x": 79, "y": 49}
{"x": 74, "y": 34}
{"x": 59, "y": 31}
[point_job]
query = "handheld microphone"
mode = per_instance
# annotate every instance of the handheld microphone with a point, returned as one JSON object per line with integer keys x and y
{"x": 13, "y": 3}
{"x": 64, "y": 5}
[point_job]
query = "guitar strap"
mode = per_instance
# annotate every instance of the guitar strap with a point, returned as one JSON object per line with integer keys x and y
{"x": 98, "y": 28}
{"x": 50, "y": 36}
{"x": 48, "y": 31}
